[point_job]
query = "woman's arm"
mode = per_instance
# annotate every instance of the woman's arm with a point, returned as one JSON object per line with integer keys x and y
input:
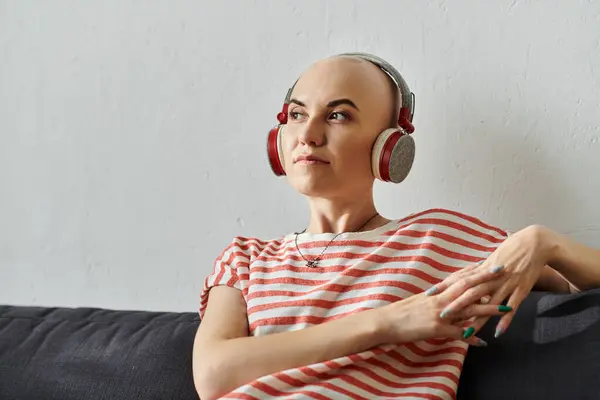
{"x": 550, "y": 280}
{"x": 225, "y": 357}
{"x": 577, "y": 263}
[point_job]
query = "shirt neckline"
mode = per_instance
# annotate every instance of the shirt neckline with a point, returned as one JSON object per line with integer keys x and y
{"x": 307, "y": 236}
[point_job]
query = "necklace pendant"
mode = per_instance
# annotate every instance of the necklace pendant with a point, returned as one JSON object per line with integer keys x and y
{"x": 312, "y": 263}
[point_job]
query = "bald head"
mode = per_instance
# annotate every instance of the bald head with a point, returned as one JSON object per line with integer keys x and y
{"x": 352, "y": 75}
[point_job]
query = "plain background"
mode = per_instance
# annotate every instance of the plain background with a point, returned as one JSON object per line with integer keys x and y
{"x": 132, "y": 133}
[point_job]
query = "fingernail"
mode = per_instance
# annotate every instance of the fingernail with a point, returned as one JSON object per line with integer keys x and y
{"x": 445, "y": 312}
{"x": 480, "y": 262}
{"x": 470, "y": 330}
{"x": 481, "y": 342}
{"x": 504, "y": 308}
{"x": 497, "y": 268}
{"x": 498, "y": 332}
{"x": 431, "y": 291}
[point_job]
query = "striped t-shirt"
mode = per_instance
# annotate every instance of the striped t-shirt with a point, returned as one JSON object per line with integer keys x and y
{"x": 358, "y": 271}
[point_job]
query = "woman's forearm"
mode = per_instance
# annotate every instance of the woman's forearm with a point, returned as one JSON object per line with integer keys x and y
{"x": 577, "y": 263}
{"x": 227, "y": 364}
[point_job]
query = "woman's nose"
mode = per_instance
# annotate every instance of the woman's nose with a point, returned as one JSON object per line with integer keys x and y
{"x": 312, "y": 133}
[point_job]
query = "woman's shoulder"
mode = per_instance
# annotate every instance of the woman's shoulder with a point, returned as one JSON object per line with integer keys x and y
{"x": 249, "y": 246}
{"x": 448, "y": 218}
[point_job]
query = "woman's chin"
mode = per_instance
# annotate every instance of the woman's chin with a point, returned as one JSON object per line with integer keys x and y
{"x": 311, "y": 186}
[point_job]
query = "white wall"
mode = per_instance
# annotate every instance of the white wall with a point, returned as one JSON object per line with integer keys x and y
{"x": 132, "y": 134}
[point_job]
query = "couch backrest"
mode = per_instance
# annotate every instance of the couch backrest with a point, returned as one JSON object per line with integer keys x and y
{"x": 86, "y": 353}
{"x": 551, "y": 351}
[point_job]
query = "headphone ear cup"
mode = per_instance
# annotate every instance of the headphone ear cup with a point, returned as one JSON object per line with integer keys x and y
{"x": 392, "y": 155}
{"x": 274, "y": 150}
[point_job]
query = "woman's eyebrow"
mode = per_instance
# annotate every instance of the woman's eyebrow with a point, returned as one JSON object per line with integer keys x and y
{"x": 338, "y": 102}
{"x": 332, "y": 103}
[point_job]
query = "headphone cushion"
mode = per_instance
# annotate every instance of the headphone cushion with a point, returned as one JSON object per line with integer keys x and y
{"x": 274, "y": 150}
{"x": 393, "y": 155}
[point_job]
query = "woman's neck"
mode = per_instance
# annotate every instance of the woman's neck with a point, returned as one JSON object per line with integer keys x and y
{"x": 328, "y": 216}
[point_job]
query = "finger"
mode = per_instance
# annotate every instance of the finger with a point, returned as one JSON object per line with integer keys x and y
{"x": 478, "y": 310}
{"x": 477, "y": 323}
{"x": 461, "y": 333}
{"x": 469, "y": 297}
{"x": 476, "y": 341}
{"x": 514, "y": 302}
{"x": 472, "y": 289}
{"x": 496, "y": 300}
{"x": 452, "y": 278}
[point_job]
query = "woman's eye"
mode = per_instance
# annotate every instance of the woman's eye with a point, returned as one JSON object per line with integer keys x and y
{"x": 294, "y": 115}
{"x": 340, "y": 116}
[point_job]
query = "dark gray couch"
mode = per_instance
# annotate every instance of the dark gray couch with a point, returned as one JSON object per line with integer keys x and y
{"x": 552, "y": 351}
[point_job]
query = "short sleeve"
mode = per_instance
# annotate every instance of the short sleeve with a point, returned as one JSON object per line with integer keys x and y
{"x": 225, "y": 272}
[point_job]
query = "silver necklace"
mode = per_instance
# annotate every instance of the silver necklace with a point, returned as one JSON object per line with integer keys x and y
{"x": 315, "y": 262}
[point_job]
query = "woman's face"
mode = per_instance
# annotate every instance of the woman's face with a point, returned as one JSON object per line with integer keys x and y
{"x": 338, "y": 107}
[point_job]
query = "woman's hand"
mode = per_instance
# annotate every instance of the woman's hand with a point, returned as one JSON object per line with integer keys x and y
{"x": 522, "y": 257}
{"x": 419, "y": 317}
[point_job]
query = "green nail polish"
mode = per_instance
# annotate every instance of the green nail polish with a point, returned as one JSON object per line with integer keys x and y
{"x": 470, "y": 330}
{"x": 504, "y": 308}
{"x": 444, "y": 313}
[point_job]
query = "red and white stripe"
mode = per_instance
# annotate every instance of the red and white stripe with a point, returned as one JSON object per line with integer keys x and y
{"x": 358, "y": 271}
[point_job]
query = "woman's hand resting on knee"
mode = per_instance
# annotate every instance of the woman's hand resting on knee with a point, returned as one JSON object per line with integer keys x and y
{"x": 419, "y": 317}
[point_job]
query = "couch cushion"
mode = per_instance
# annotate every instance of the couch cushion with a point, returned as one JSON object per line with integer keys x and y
{"x": 550, "y": 351}
{"x": 87, "y": 353}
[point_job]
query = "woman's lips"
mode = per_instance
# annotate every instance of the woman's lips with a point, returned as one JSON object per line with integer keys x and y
{"x": 310, "y": 159}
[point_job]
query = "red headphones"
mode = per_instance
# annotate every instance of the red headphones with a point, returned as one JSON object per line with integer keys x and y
{"x": 392, "y": 154}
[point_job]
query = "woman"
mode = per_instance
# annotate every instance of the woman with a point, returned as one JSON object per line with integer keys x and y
{"x": 357, "y": 305}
